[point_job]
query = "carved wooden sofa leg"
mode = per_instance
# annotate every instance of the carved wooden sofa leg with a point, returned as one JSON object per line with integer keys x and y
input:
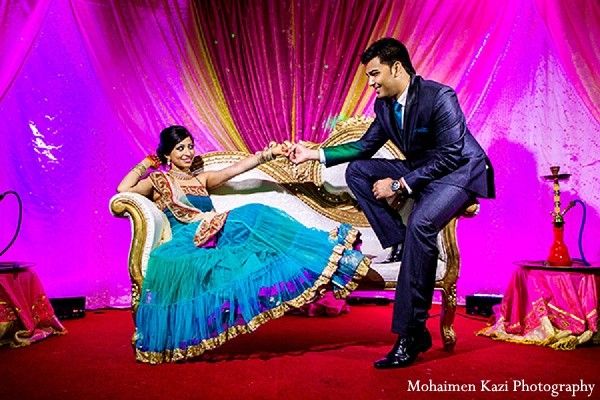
{"x": 149, "y": 227}
{"x": 447, "y": 317}
{"x": 448, "y": 283}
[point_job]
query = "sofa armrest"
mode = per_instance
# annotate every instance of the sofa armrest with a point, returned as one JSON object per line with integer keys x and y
{"x": 149, "y": 228}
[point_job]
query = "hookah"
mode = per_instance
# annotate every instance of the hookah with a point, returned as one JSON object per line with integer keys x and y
{"x": 559, "y": 253}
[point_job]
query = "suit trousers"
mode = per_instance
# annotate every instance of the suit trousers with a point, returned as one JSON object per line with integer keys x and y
{"x": 435, "y": 205}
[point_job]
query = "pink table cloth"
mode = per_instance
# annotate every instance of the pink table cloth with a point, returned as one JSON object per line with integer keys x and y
{"x": 548, "y": 307}
{"x": 26, "y": 315}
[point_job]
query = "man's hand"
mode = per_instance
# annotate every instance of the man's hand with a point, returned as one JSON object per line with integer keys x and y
{"x": 299, "y": 153}
{"x": 382, "y": 189}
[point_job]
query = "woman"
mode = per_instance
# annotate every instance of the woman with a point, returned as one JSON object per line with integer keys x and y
{"x": 226, "y": 273}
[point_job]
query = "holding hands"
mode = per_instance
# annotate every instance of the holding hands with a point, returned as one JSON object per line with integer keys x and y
{"x": 382, "y": 189}
{"x": 280, "y": 149}
{"x": 296, "y": 153}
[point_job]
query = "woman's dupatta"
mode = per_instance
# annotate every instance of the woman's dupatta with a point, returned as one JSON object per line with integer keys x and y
{"x": 173, "y": 197}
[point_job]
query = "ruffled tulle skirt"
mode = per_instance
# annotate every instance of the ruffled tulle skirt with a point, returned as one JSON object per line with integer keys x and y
{"x": 264, "y": 264}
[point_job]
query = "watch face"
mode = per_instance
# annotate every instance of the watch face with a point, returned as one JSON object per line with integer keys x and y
{"x": 395, "y": 186}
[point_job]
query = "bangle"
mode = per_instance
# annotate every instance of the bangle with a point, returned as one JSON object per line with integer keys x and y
{"x": 140, "y": 169}
{"x": 265, "y": 156}
{"x": 154, "y": 160}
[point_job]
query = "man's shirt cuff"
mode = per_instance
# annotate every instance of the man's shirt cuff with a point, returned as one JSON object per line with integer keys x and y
{"x": 408, "y": 189}
{"x": 322, "y": 156}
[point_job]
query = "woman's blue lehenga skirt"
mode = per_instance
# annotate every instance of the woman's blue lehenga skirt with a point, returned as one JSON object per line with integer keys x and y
{"x": 264, "y": 264}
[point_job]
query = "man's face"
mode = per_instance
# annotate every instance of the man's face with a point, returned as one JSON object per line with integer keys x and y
{"x": 383, "y": 78}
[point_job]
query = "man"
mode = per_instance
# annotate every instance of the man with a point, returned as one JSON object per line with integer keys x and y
{"x": 444, "y": 169}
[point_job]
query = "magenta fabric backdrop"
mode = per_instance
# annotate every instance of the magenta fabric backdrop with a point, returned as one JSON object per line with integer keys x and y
{"x": 20, "y": 22}
{"x": 86, "y": 85}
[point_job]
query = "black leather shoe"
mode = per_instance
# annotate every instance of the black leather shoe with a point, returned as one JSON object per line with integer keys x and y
{"x": 405, "y": 351}
{"x": 395, "y": 255}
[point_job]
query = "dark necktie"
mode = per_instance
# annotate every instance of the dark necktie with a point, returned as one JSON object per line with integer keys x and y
{"x": 398, "y": 114}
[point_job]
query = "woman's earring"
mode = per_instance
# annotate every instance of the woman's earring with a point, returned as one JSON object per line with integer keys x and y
{"x": 168, "y": 162}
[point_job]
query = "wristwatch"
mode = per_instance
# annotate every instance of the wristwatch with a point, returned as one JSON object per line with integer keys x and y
{"x": 395, "y": 186}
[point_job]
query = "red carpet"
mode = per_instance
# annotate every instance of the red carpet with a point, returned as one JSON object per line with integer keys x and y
{"x": 291, "y": 358}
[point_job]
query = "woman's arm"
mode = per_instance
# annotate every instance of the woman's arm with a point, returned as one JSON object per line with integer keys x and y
{"x": 132, "y": 182}
{"x": 217, "y": 178}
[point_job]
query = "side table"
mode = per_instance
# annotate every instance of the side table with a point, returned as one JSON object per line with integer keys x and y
{"x": 549, "y": 306}
{"x": 26, "y": 315}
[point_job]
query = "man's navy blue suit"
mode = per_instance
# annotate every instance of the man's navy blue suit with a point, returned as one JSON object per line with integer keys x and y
{"x": 445, "y": 167}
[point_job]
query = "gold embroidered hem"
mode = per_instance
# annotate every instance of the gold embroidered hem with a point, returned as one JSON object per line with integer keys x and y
{"x": 304, "y": 298}
{"x": 557, "y": 309}
{"x": 209, "y": 228}
{"x": 361, "y": 270}
{"x": 26, "y": 315}
{"x": 172, "y": 197}
{"x": 539, "y": 330}
{"x": 544, "y": 335}
{"x": 25, "y": 338}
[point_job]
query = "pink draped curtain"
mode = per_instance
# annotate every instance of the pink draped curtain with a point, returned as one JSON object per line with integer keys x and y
{"x": 330, "y": 36}
{"x": 20, "y": 22}
{"x": 575, "y": 30}
{"x": 250, "y": 44}
{"x": 463, "y": 55}
{"x": 284, "y": 65}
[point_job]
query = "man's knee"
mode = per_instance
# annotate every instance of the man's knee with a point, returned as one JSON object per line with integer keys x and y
{"x": 423, "y": 226}
{"x": 355, "y": 171}
{"x": 354, "y": 168}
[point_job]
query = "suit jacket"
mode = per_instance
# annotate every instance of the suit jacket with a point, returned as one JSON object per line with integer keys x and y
{"x": 435, "y": 141}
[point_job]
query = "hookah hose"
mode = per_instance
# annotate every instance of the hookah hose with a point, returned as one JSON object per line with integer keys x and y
{"x": 2, "y": 195}
{"x": 580, "y": 239}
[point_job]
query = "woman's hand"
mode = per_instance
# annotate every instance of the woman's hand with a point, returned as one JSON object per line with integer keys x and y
{"x": 136, "y": 180}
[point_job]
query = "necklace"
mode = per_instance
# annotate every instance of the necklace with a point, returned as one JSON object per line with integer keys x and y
{"x": 185, "y": 176}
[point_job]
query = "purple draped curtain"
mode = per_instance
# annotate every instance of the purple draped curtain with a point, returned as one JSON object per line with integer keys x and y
{"x": 141, "y": 52}
{"x": 20, "y": 22}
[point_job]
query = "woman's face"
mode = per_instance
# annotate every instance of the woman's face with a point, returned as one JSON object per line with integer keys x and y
{"x": 183, "y": 153}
